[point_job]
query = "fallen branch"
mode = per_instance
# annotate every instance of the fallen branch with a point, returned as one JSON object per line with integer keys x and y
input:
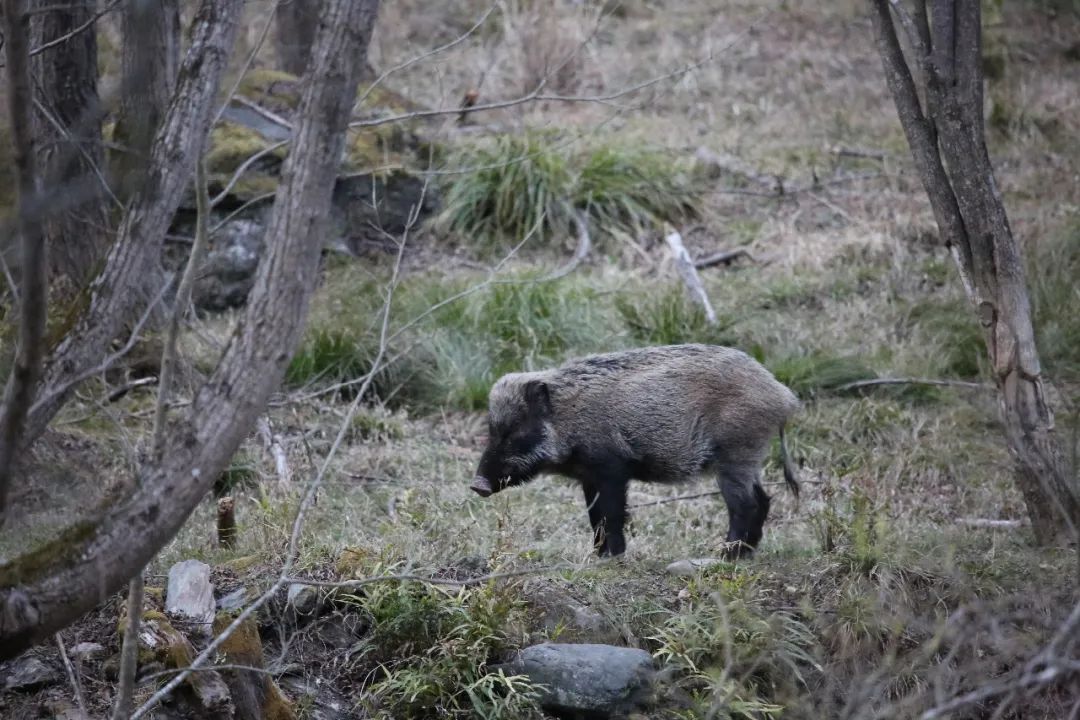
{"x": 913, "y": 381}
{"x": 123, "y": 390}
{"x": 725, "y": 257}
{"x": 73, "y": 677}
{"x": 274, "y": 447}
{"x": 685, "y": 265}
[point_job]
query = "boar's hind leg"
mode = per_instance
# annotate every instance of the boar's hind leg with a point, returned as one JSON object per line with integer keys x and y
{"x": 748, "y": 506}
{"x": 606, "y": 501}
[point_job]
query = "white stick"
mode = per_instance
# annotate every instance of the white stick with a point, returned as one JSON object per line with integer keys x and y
{"x": 685, "y": 265}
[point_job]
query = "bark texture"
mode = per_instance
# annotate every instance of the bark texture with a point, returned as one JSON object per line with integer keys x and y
{"x": 118, "y": 293}
{"x": 38, "y": 598}
{"x": 150, "y": 62}
{"x": 297, "y": 21}
{"x": 68, "y": 131}
{"x": 948, "y": 142}
{"x": 22, "y": 383}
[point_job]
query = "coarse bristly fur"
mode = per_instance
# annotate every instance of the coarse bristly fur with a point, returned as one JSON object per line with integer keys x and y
{"x": 658, "y": 414}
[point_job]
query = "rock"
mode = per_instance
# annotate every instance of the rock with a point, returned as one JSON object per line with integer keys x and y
{"x": 233, "y": 601}
{"x": 366, "y": 208}
{"x": 229, "y": 271}
{"x": 559, "y": 611}
{"x": 302, "y": 600}
{"x": 27, "y": 673}
{"x": 320, "y": 700}
{"x": 190, "y": 596}
{"x": 86, "y": 651}
{"x": 686, "y": 568}
{"x": 594, "y": 680}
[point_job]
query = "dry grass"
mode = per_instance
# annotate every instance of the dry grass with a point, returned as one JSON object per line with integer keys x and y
{"x": 851, "y": 607}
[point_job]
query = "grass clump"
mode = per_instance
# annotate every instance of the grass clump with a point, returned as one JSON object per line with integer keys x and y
{"x": 1055, "y": 296}
{"x": 431, "y": 650}
{"x": 531, "y": 183}
{"x": 733, "y": 659}
{"x": 669, "y": 318}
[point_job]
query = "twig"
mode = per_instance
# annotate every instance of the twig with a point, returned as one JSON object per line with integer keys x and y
{"x": 859, "y": 153}
{"x": 260, "y": 110}
{"x": 75, "y": 31}
{"x": 273, "y": 446}
{"x": 913, "y": 381}
{"x": 413, "y": 577}
{"x": 73, "y": 677}
{"x": 685, "y": 265}
{"x": 725, "y": 256}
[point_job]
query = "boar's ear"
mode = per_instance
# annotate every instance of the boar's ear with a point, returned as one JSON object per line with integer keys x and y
{"x": 537, "y": 396}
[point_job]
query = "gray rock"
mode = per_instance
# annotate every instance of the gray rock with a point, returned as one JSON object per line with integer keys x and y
{"x": 302, "y": 600}
{"x": 595, "y": 680}
{"x": 693, "y": 566}
{"x": 27, "y": 673}
{"x": 559, "y": 610}
{"x": 189, "y": 597}
{"x": 86, "y": 651}
{"x": 233, "y": 601}
{"x": 229, "y": 271}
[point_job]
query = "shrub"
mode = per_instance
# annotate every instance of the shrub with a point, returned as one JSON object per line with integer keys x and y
{"x": 515, "y": 185}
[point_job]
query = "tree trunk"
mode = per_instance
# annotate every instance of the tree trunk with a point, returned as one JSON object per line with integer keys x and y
{"x": 68, "y": 133}
{"x": 22, "y": 382}
{"x": 297, "y": 21}
{"x": 116, "y": 295}
{"x": 149, "y": 64}
{"x": 948, "y": 144}
{"x": 38, "y": 598}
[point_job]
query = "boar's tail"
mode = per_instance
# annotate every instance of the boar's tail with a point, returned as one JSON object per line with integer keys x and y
{"x": 789, "y": 467}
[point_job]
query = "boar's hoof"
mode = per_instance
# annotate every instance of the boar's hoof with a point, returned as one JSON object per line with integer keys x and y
{"x": 737, "y": 550}
{"x": 481, "y": 486}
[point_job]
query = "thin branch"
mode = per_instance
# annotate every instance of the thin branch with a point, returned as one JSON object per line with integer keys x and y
{"x": 913, "y": 381}
{"x": 725, "y": 256}
{"x": 243, "y": 168}
{"x": 413, "y": 577}
{"x": 75, "y": 31}
{"x": 263, "y": 112}
{"x": 676, "y": 498}
{"x": 33, "y": 310}
{"x": 73, "y": 677}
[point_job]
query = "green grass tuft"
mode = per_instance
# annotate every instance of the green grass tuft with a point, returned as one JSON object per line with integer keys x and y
{"x": 532, "y": 183}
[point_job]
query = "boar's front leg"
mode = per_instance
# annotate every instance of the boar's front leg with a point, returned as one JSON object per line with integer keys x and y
{"x": 606, "y": 501}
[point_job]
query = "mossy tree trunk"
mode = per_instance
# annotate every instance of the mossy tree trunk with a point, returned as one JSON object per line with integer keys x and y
{"x": 67, "y": 127}
{"x": 944, "y": 129}
{"x": 41, "y": 593}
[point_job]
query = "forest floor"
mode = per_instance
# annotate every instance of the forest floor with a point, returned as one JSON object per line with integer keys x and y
{"x": 874, "y": 595}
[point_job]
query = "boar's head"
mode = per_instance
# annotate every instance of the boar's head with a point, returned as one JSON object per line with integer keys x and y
{"x": 520, "y": 436}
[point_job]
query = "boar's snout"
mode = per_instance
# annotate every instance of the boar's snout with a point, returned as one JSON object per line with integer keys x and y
{"x": 481, "y": 486}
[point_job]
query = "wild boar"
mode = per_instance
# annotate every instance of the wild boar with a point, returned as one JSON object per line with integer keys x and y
{"x": 657, "y": 414}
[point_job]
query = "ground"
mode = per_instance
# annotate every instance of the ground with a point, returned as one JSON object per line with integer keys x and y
{"x": 872, "y": 596}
